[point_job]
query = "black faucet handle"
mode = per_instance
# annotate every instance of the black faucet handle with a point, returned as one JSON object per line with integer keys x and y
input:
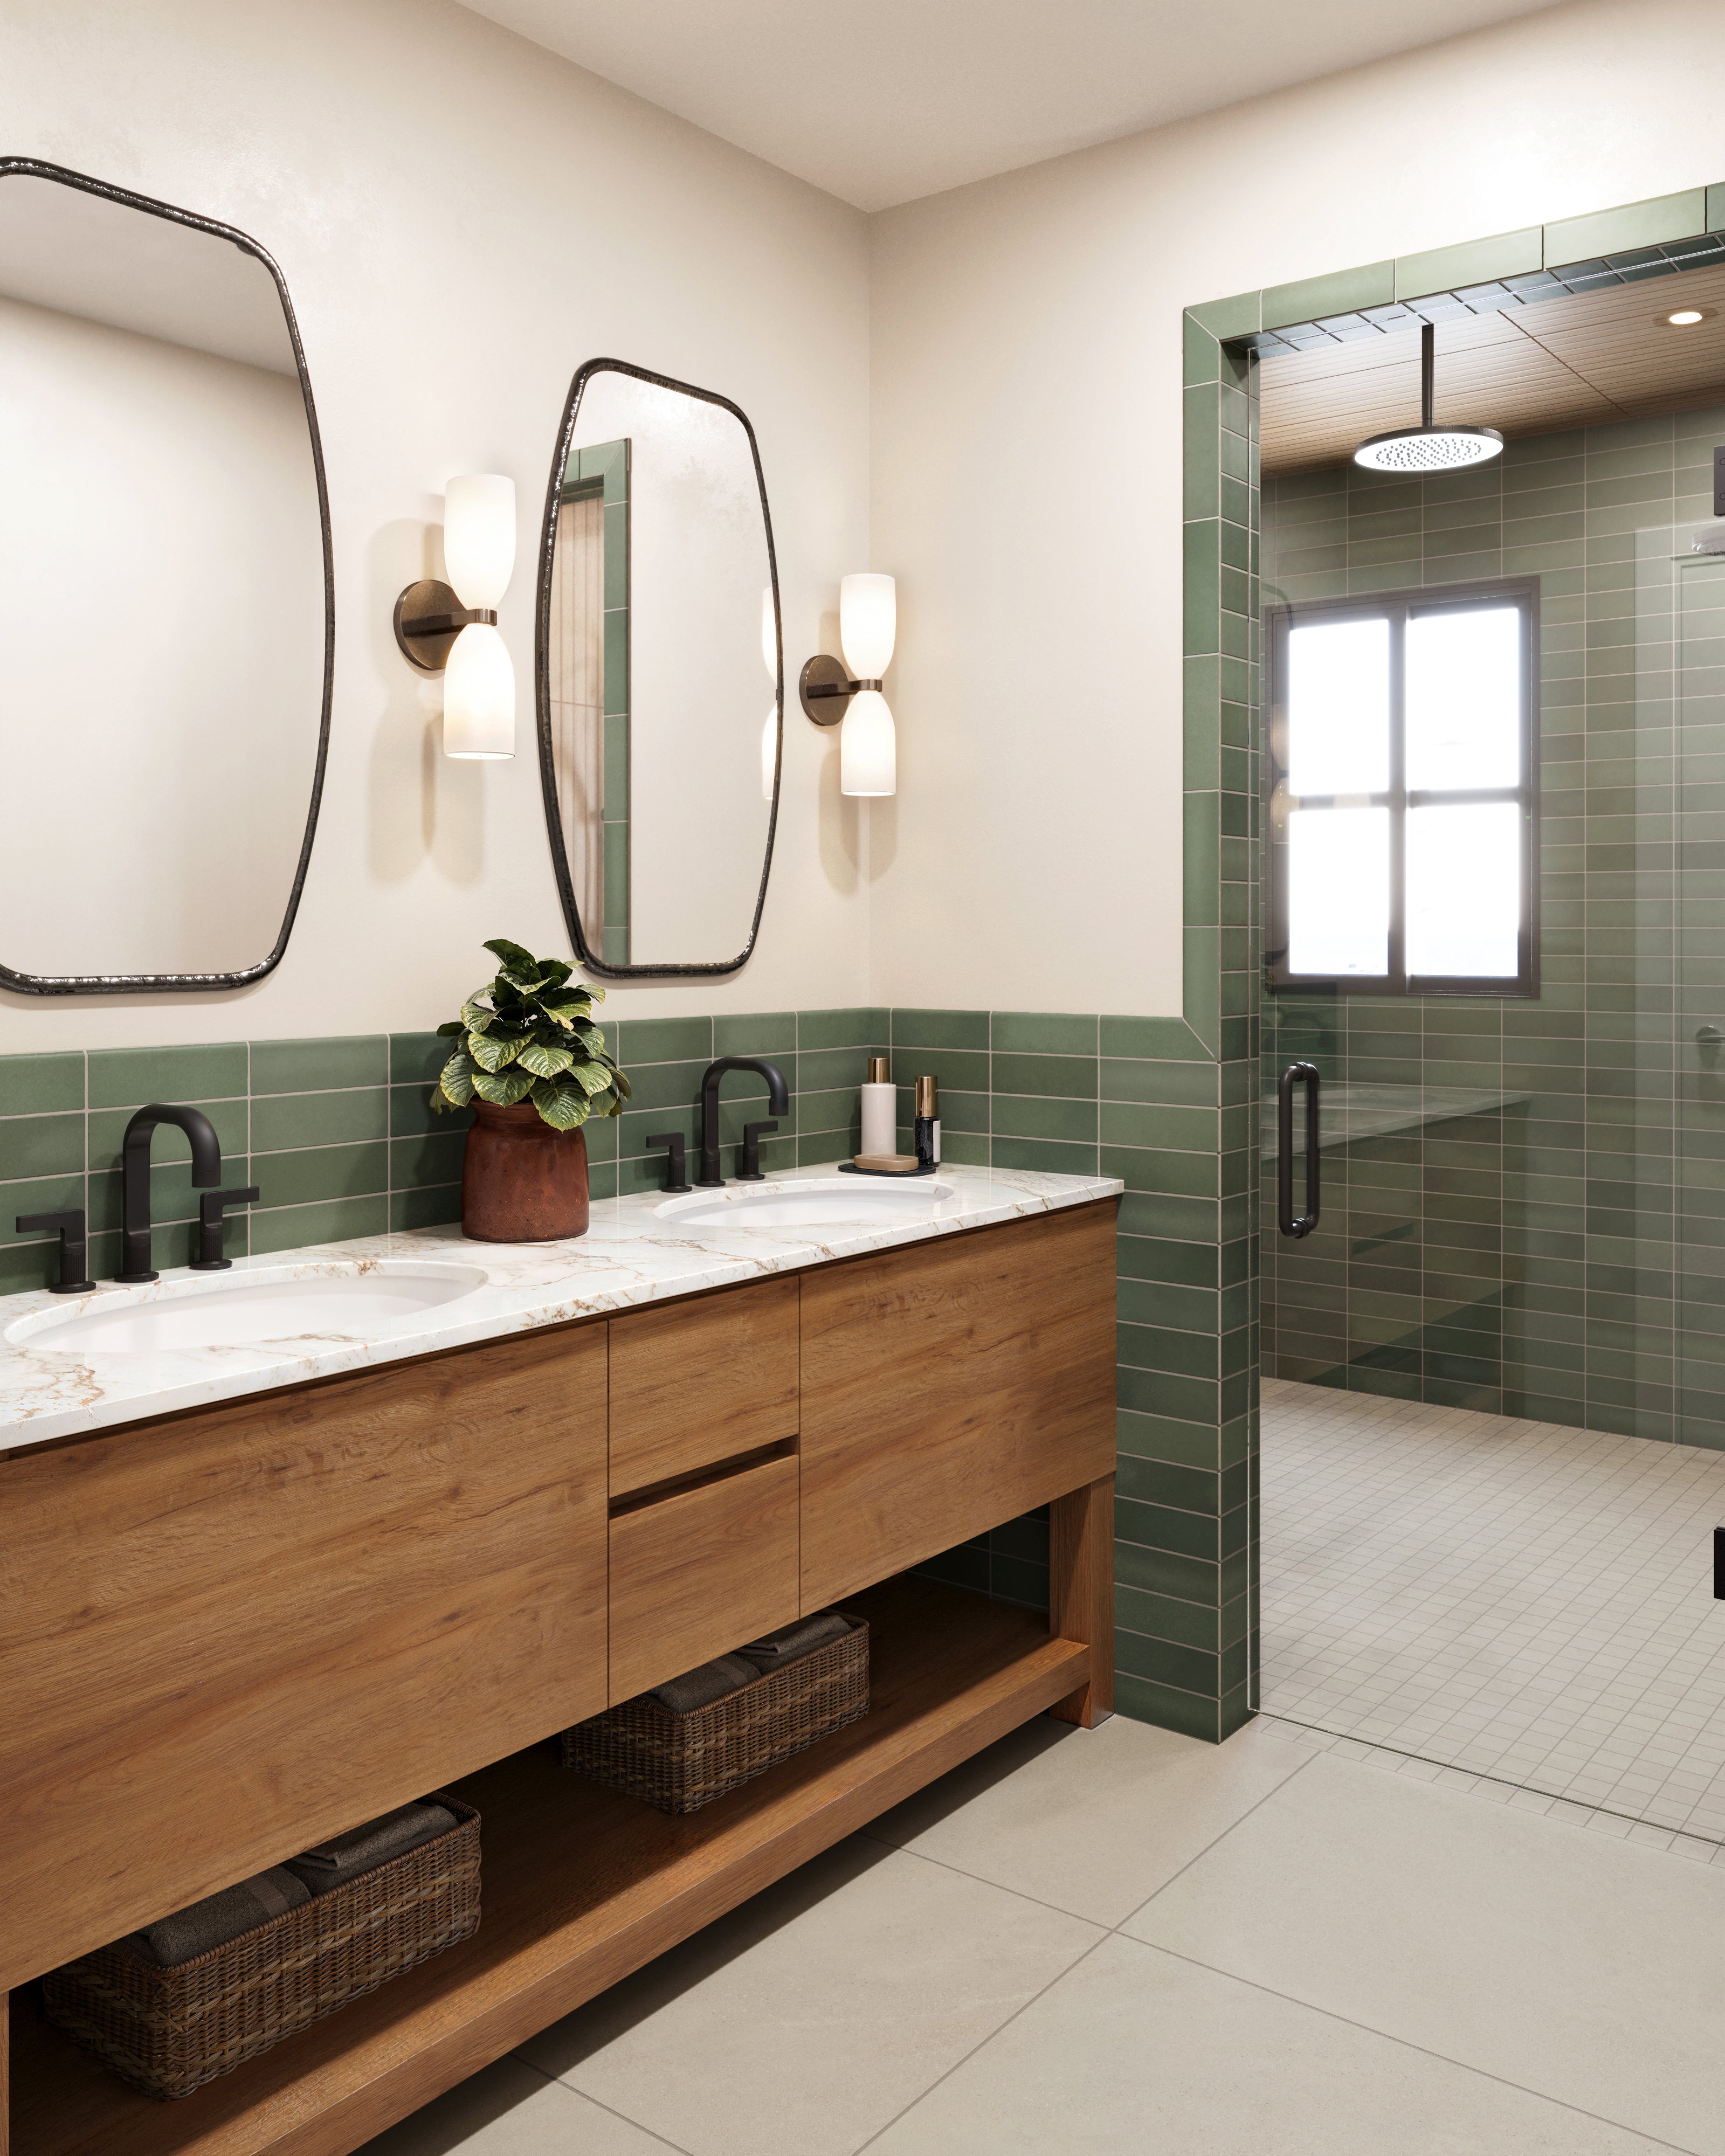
{"x": 678, "y": 1181}
{"x": 750, "y": 1172}
{"x": 211, "y": 1207}
{"x": 74, "y": 1257}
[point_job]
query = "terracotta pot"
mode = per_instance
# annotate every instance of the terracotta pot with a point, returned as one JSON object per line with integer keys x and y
{"x": 522, "y": 1182}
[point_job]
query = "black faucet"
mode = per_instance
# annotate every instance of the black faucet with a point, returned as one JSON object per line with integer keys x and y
{"x": 73, "y": 1246}
{"x": 206, "y": 1171}
{"x": 778, "y": 1099}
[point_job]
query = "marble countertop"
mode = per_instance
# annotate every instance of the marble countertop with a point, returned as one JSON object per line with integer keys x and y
{"x": 630, "y": 1255}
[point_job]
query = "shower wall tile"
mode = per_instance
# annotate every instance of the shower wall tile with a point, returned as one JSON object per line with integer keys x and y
{"x": 1554, "y": 1253}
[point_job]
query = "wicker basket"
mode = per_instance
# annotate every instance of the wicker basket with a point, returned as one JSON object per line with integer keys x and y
{"x": 680, "y": 1762}
{"x": 169, "y": 2030}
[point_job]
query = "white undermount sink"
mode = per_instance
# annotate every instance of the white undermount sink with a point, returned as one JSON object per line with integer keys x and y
{"x": 273, "y": 1308}
{"x": 827, "y": 1202}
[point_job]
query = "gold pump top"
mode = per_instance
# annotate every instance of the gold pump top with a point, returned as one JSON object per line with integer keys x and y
{"x": 928, "y": 1097}
{"x": 880, "y": 1070}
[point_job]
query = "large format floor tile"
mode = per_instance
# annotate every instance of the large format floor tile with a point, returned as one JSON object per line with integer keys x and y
{"x": 1134, "y": 2050}
{"x": 1570, "y": 1964}
{"x": 1091, "y": 1820}
{"x": 807, "y": 2020}
{"x": 509, "y": 2110}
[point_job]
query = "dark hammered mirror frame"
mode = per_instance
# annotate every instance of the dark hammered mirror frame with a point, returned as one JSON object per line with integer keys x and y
{"x": 109, "y": 984}
{"x": 593, "y": 961}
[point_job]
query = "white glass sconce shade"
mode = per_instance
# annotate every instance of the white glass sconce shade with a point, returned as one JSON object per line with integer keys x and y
{"x": 479, "y": 697}
{"x": 868, "y": 624}
{"x": 867, "y": 746}
{"x": 868, "y": 627}
{"x": 769, "y": 751}
{"x": 479, "y": 536}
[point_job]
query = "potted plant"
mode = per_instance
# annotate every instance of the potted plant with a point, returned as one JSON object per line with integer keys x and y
{"x": 532, "y": 1066}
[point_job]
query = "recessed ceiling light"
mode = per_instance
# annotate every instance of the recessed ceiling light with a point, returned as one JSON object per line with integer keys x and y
{"x": 1685, "y": 315}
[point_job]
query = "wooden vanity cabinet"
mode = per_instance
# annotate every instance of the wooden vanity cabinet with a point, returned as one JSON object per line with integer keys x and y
{"x": 230, "y": 1632}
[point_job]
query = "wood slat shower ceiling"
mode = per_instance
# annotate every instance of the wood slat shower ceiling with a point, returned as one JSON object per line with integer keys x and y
{"x": 1580, "y": 361}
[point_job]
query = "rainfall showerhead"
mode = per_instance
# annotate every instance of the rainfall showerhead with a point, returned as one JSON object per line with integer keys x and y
{"x": 1428, "y": 447}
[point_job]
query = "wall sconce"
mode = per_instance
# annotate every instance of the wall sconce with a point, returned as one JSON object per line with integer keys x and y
{"x": 868, "y": 747}
{"x": 438, "y": 635}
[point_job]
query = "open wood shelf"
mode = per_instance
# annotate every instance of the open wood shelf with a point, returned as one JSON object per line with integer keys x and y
{"x": 580, "y": 1886}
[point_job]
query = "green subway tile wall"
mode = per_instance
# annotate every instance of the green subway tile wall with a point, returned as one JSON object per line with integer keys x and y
{"x": 340, "y": 1138}
{"x": 1543, "y": 1233}
{"x": 336, "y": 1133}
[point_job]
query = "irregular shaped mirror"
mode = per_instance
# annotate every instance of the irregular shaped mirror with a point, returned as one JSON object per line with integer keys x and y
{"x": 165, "y": 595}
{"x": 660, "y": 675}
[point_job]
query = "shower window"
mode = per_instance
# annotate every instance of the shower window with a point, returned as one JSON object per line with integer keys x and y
{"x": 1405, "y": 792}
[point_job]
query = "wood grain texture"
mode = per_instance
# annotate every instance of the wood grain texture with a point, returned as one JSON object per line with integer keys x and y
{"x": 951, "y": 1386}
{"x": 702, "y": 1381}
{"x": 1081, "y": 1593}
{"x": 1584, "y": 359}
{"x": 699, "y": 1573}
{"x": 582, "y": 1886}
{"x": 227, "y": 1636}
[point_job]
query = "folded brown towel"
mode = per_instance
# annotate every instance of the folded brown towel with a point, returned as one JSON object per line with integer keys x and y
{"x": 780, "y": 1649}
{"x": 217, "y": 1918}
{"x": 701, "y": 1687}
{"x": 344, "y": 1856}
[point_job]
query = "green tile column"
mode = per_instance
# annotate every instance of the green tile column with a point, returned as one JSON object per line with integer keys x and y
{"x": 1178, "y": 1123}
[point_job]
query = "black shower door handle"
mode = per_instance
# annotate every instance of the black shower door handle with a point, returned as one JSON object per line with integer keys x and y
{"x": 1295, "y": 1074}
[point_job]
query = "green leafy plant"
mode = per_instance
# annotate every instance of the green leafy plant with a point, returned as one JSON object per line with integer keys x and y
{"x": 534, "y": 1040}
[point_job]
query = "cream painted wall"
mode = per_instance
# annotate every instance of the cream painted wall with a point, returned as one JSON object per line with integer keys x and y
{"x": 1026, "y": 456}
{"x": 462, "y": 219}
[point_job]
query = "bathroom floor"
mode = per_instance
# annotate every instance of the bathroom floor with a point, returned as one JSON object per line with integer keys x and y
{"x": 1506, "y": 1598}
{"x": 1122, "y": 1940}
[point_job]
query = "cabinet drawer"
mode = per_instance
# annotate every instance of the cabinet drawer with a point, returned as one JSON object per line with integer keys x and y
{"x": 696, "y": 1574}
{"x": 951, "y": 1386}
{"x": 702, "y": 1382}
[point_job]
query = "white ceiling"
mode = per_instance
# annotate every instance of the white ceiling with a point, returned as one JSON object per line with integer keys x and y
{"x": 881, "y": 102}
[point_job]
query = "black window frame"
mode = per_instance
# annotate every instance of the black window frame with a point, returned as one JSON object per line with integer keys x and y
{"x": 1397, "y": 608}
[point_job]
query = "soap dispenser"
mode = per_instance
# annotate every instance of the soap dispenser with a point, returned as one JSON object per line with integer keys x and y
{"x": 879, "y": 1109}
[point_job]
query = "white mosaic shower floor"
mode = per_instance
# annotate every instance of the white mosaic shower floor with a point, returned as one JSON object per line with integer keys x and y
{"x": 1511, "y": 1599}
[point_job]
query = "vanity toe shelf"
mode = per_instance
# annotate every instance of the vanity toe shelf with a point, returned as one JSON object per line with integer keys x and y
{"x": 930, "y": 1391}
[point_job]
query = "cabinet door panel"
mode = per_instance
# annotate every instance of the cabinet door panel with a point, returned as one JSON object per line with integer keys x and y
{"x": 227, "y": 1636}
{"x": 701, "y": 1382}
{"x": 950, "y": 1386}
{"x": 695, "y": 1575}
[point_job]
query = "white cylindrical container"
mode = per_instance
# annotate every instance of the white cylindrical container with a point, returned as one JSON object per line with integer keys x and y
{"x": 880, "y": 1109}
